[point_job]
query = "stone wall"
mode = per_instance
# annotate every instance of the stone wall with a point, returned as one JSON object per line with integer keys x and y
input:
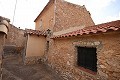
{"x": 46, "y": 18}
{"x": 32, "y": 60}
{"x": 60, "y": 15}
{"x": 2, "y": 38}
{"x": 15, "y": 40}
{"x": 63, "y": 56}
{"x": 1, "y": 43}
{"x": 71, "y": 15}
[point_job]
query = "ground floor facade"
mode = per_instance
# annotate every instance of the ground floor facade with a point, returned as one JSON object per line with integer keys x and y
{"x": 64, "y": 57}
{"x": 91, "y": 53}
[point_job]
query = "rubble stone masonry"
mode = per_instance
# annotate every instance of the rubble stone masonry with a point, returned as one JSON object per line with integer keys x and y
{"x": 62, "y": 56}
{"x": 15, "y": 40}
{"x": 71, "y": 15}
{"x": 2, "y": 37}
{"x": 61, "y": 15}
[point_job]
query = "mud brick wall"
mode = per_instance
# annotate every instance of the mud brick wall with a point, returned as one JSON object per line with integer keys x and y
{"x": 70, "y": 15}
{"x": 63, "y": 56}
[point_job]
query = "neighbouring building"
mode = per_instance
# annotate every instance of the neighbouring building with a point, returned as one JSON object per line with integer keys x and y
{"x": 15, "y": 42}
{"x": 12, "y": 39}
{"x": 4, "y": 22}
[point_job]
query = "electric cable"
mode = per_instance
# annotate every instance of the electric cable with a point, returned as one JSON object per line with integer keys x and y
{"x": 14, "y": 11}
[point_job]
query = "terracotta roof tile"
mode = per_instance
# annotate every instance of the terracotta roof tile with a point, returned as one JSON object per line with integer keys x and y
{"x": 114, "y": 25}
{"x": 36, "y": 32}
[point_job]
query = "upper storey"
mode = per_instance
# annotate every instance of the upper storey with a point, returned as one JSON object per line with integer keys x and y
{"x": 59, "y": 15}
{"x": 45, "y": 19}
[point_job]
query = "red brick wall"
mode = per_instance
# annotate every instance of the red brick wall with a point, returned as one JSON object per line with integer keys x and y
{"x": 71, "y": 15}
{"x": 62, "y": 56}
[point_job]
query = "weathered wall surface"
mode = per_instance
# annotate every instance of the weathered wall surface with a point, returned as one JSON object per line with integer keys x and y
{"x": 63, "y": 57}
{"x": 47, "y": 18}
{"x": 15, "y": 36}
{"x": 15, "y": 39}
{"x": 3, "y": 28}
{"x": 1, "y": 42}
{"x": 35, "y": 48}
{"x": 62, "y": 15}
{"x": 2, "y": 38}
{"x": 71, "y": 15}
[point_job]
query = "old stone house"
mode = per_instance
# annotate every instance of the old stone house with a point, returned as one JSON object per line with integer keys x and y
{"x": 66, "y": 39}
{"x": 56, "y": 18}
{"x": 89, "y": 53}
{"x": 4, "y": 22}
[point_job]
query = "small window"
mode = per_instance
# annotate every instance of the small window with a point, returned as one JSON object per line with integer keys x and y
{"x": 40, "y": 23}
{"x": 87, "y": 58}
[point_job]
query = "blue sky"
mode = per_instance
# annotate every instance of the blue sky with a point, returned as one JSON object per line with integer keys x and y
{"x": 27, "y": 10}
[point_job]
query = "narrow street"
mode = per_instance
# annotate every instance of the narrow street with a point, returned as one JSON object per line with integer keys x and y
{"x": 14, "y": 70}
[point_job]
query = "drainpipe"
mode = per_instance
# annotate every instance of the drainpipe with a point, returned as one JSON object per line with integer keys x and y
{"x": 4, "y": 22}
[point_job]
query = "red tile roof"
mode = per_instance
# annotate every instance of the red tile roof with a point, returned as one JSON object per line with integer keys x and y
{"x": 114, "y": 25}
{"x": 36, "y": 32}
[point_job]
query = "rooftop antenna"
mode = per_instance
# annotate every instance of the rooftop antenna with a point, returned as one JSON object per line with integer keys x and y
{"x": 14, "y": 12}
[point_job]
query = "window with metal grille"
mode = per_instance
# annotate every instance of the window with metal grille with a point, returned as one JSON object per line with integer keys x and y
{"x": 87, "y": 58}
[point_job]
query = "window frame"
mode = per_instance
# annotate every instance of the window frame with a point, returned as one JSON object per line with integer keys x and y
{"x": 93, "y": 57}
{"x": 92, "y": 43}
